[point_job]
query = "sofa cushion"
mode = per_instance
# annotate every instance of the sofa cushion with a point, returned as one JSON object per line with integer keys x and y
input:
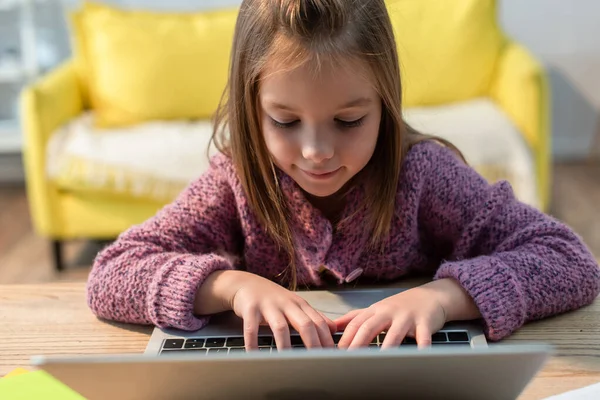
{"x": 448, "y": 49}
{"x": 141, "y": 66}
{"x": 150, "y": 161}
{"x": 489, "y": 141}
{"x": 156, "y": 160}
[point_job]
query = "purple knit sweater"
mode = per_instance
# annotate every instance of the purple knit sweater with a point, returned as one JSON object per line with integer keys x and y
{"x": 517, "y": 263}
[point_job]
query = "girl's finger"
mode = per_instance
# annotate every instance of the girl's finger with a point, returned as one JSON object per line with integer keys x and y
{"x": 344, "y": 320}
{"x": 352, "y": 327}
{"x": 279, "y": 326}
{"x": 304, "y": 325}
{"x": 423, "y": 335}
{"x": 323, "y": 328}
{"x": 395, "y": 334}
{"x": 330, "y": 323}
{"x": 251, "y": 319}
{"x": 369, "y": 330}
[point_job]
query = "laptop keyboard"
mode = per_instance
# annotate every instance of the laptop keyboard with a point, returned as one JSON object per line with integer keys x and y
{"x": 235, "y": 344}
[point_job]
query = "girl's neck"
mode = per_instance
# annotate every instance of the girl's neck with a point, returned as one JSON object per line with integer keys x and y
{"x": 331, "y": 207}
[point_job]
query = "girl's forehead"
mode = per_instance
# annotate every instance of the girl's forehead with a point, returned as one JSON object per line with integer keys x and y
{"x": 316, "y": 66}
{"x": 286, "y": 53}
{"x": 302, "y": 88}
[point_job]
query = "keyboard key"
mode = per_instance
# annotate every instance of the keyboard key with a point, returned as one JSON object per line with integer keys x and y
{"x": 218, "y": 350}
{"x": 409, "y": 340}
{"x": 439, "y": 337}
{"x": 264, "y": 349}
{"x": 458, "y": 336}
{"x": 173, "y": 344}
{"x": 381, "y": 337}
{"x": 265, "y": 341}
{"x": 215, "y": 342}
{"x": 296, "y": 340}
{"x": 235, "y": 342}
{"x": 451, "y": 344}
{"x": 174, "y": 352}
{"x": 374, "y": 341}
{"x": 337, "y": 337}
{"x": 237, "y": 350}
{"x": 194, "y": 343}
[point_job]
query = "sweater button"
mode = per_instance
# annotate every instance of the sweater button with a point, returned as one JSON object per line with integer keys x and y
{"x": 353, "y": 275}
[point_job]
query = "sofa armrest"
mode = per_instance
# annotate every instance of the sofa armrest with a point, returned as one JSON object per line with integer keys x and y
{"x": 46, "y": 105}
{"x": 520, "y": 87}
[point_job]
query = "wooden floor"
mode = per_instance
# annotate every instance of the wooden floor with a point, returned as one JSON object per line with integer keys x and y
{"x": 26, "y": 258}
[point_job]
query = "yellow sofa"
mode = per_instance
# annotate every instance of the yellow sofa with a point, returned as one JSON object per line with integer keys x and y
{"x": 452, "y": 53}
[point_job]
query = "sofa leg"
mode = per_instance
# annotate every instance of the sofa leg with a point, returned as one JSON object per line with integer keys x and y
{"x": 57, "y": 254}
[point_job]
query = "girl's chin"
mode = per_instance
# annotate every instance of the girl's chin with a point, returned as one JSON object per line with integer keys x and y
{"x": 322, "y": 191}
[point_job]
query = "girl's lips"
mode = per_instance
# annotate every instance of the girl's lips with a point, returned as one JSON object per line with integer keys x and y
{"x": 321, "y": 175}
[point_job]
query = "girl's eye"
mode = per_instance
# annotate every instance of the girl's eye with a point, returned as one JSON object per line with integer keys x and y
{"x": 341, "y": 122}
{"x": 350, "y": 124}
{"x": 283, "y": 125}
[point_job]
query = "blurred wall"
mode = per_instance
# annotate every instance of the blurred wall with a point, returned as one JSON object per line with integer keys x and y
{"x": 564, "y": 34}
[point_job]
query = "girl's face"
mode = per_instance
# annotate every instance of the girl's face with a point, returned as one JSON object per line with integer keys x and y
{"x": 321, "y": 129}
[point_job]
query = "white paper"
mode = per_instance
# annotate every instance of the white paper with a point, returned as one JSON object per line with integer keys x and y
{"x": 591, "y": 392}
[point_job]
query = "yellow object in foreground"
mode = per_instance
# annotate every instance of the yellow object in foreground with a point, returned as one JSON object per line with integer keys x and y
{"x": 38, "y": 385}
{"x": 16, "y": 372}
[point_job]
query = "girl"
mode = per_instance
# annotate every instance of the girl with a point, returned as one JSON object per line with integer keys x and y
{"x": 319, "y": 179}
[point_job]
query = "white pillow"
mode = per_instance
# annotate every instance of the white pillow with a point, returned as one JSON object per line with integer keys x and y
{"x": 487, "y": 138}
{"x": 154, "y": 160}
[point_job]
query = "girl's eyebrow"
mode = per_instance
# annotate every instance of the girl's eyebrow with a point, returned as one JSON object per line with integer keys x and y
{"x": 362, "y": 101}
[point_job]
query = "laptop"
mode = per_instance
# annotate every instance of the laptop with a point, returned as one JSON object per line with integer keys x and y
{"x": 224, "y": 334}
{"x": 212, "y": 363}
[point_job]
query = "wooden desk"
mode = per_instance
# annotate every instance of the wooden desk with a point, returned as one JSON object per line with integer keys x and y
{"x": 54, "y": 319}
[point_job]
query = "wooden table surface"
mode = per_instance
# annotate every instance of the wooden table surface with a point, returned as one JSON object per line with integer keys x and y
{"x": 46, "y": 319}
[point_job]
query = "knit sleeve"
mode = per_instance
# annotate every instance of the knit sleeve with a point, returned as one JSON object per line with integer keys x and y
{"x": 517, "y": 263}
{"x": 151, "y": 273}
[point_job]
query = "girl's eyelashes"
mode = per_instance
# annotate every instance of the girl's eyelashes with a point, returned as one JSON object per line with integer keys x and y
{"x": 343, "y": 123}
{"x": 351, "y": 124}
{"x": 283, "y": 125}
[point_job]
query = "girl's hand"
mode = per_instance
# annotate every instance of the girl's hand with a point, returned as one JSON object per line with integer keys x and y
{"x": 259, "y": 301}
{"x": 417, "y": 313}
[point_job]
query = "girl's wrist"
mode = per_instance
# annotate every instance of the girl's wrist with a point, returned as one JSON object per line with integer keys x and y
{"x": 216, "y": 294}
{"x": 457, "y": 304}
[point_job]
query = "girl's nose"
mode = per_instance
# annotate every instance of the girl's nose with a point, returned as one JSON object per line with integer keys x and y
{"x": 317, "y": 148}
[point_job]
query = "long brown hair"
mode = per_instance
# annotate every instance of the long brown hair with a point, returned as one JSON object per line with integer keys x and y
{"x": 294, "y": 32}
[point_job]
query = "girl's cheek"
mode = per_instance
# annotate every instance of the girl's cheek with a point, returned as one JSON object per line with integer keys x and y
{"x": 278, "y": 143}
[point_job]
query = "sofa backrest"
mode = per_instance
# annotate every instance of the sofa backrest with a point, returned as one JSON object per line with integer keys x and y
{"x": 139, "y": 65}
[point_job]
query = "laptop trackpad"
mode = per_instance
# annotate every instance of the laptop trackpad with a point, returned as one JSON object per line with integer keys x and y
{"x": 334, "y": 304}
